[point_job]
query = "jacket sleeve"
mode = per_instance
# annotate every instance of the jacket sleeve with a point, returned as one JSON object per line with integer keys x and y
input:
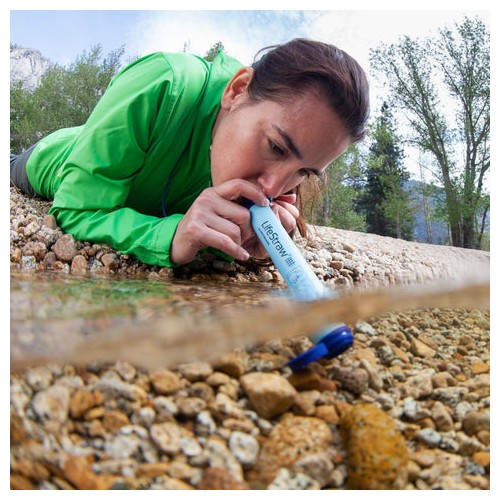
{"x": 95, "y": 181}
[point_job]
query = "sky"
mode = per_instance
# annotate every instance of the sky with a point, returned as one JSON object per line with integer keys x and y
{"x": 61, "y": 35}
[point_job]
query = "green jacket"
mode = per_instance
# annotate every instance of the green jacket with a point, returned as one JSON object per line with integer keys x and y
{"x": 147, "y": 139}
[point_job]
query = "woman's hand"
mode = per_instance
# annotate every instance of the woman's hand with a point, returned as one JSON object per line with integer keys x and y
{"x": 217, "y": 220}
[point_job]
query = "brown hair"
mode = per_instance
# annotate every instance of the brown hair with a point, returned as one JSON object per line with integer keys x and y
{"x": 300, "y": 64}
{"x": 282, "y": 71}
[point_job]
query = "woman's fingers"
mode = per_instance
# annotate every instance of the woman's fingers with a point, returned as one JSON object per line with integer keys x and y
{"x": 236, "y": 189}
{"x": 216, "y": 220}
{"x": 286, "y": 212}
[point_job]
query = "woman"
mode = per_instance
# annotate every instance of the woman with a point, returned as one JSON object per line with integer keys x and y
{"x": 174, "y": 144}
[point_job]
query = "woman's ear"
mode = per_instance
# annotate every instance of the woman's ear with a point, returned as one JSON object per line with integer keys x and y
{"x": 236, "y": 88}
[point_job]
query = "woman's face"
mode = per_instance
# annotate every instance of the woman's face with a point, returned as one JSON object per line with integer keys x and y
{"x": 273, "y": 145}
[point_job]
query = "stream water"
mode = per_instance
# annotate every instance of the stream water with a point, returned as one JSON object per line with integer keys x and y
{"x": 159, "y": 323}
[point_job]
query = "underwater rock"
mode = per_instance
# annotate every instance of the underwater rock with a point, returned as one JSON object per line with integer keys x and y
{"x": 293, "y": 439}
{"x": 377, "y": 456}
{"x": 269, "y": 393}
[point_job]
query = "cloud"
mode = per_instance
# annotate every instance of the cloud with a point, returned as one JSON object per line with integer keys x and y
{"x": 243, "y": 33}
{"x": 357, "y": 32}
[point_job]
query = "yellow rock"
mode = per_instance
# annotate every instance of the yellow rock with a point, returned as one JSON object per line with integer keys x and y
{"x": 376, "y": 451}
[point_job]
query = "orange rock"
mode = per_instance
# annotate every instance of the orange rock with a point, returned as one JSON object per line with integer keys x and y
{"x": 480, "y": 367}
{"x": 215, "y": 478}
{"x": 377, "y": 456}
{"x": 328, "y": 413}
{"x": 19, "y": 482}
{"x": 81, "y": 401}
{"x": 306, "y": 380}
{"x": 114, "y": 420}
{"x": 30, "y": 469}
{"x": 152, "y": 470}
{"x": 78, "y": 472}
{"x": 482, "y": 458}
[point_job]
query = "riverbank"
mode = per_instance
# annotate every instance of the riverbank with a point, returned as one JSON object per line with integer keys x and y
{"x": 340, "y": 258}
{"x": 407, "y": 407}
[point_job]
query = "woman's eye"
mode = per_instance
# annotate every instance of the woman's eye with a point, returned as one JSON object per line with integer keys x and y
{"x": 279, "y": 151}
{"x": 307, "y": 172}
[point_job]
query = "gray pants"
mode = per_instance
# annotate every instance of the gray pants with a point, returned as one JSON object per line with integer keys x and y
{"x": 18, "y": 176}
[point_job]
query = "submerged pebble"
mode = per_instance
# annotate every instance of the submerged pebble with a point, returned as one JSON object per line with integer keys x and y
{"x": 377, "y": 455}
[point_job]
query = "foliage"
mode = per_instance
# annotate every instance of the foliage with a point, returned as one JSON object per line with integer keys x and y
{"x": 383, "y": 199}
{"x": 335, "y": 202}
{"x": 442, "y": 87}
{"x": 64, "y": 98}
{"x": 213, "y": 51}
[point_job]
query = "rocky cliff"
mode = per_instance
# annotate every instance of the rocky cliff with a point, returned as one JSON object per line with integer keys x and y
{"x": 27, "y": 66}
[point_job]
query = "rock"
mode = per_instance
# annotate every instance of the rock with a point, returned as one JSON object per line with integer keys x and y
{"x": 82, "y": 400}
{"x": 418, "y": 348}
{"x": 308, "y": 380}
{"x": 430, "y": 437}
{"x": 364, "y": 327}
{"x": 79, "y": 265}
{"x": 328, "y": 413}
{"x": 167, "y": 436}
{"x": 50, "y": 222}
{"x": 354, "y": 380}
{"x": 39, "y": 377}
{"x": 165, "y": 381}
{"x": 419, "y": 386}
{"x": 78, "y": 471}
{"x": 232, "y": 364}
{"x": 195, "y": 371}
{"x": 114, "y": 420}
{"x": 111, "y": 261}
{"x": 52, "y": 404}
{"x": 476, "y": 421}
{"x": 269, "y": 393}
{"x": 287, "y": 480}
{"x": 28, "y": 263}
{"x": 441, "y": 417}
{"x": 65, "y": 248}
{"x": 480, "y": 367}
{"x": 190, "y": 407}
{"x": 220, "y": 456}
{"x": 113, "y": 387}
{"x": 377, "y": 456}
{"x": 291, "y": 440}
{"x": 244, "y": 447}
{"x": 318, "y": 467}
{"x": 215, "y": 478}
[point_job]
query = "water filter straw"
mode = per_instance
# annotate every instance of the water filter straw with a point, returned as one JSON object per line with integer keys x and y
{"x": 292, "y": 265}
{"x": 301, "y": 280}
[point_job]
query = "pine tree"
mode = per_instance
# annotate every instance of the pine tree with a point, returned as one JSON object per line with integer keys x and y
{"x": 384, "y": 201}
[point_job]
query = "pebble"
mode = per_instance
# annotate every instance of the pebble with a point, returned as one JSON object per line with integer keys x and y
{"x": 354, "y": 380}
{"x": 476, "y": 421}
{"x": 52, "y": 404}
{"x": 65, "y": 248}
{"x": 244, "y": 447}
{"x": 270, "y": 394}
{"x": 292, "y": 439}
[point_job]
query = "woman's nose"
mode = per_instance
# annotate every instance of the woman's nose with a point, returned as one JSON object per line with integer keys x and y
{"x": 273, "y": 184}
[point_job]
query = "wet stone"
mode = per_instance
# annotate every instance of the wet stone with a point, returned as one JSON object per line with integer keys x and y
{"x": 269, "y": 393}
{"x": 376, "y": 450}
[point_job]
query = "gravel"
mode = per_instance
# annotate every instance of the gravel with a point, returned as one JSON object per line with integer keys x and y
{"x": 416, "y": 382}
